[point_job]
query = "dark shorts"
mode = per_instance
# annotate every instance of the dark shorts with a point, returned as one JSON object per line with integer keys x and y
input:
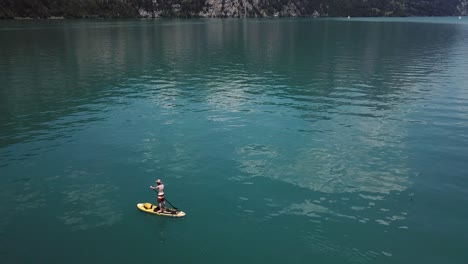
{"x": 160, "y": 199}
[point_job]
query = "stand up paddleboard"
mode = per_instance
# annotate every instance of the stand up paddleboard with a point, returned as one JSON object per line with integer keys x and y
{"x": 151, "y": 208}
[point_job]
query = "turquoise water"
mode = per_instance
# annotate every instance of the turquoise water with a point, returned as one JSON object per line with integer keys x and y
{"x": 284, "y": 141}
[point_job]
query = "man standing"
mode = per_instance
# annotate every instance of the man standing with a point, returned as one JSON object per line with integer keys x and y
{"x": 161, "y": 201}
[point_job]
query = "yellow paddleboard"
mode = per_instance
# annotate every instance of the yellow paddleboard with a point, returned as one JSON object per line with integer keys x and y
{"x": 151, "y": 208}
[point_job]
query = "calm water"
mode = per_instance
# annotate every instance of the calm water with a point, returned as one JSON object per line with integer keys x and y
{"x": 285, "y": 141}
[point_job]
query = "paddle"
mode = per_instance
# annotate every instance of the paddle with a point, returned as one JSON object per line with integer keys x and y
{"x": 168, "y": 201}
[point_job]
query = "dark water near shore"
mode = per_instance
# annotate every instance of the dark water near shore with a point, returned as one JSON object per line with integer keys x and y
{"x": 284, "y": 141}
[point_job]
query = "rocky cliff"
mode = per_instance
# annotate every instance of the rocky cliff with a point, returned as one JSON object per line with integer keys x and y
{"x": 228, "y": 8}
{"x": 281, "y": 8}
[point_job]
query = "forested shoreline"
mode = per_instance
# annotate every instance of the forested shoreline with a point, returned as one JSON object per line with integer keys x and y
{"x": 38, "y": 9}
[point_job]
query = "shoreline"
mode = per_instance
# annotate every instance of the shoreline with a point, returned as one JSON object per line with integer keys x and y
{"x": 202, "y": 17}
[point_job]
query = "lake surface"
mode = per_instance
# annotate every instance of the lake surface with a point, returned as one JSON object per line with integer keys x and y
{"x": 284, "y": 140}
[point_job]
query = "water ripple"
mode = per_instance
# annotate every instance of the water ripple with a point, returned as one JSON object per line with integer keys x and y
{"x": 316, "y": 126}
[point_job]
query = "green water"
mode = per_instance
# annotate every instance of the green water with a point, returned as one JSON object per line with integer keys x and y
{"x": 284, "y": 141}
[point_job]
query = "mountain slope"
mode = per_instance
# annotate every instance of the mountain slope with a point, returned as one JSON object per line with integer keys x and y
{"x": 228, "y": 8}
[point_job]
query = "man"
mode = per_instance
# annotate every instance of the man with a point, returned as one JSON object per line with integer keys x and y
{"x": 161, "y": 201}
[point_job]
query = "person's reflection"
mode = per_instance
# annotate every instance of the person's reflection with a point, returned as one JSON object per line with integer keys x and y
{"x": 160, "y": 229}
